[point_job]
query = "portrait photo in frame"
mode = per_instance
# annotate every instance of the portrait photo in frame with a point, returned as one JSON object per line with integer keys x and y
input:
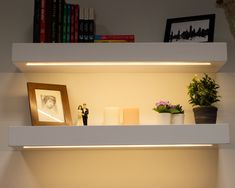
{"x": 190, "y": 29}
{"x": 49, "y": 104}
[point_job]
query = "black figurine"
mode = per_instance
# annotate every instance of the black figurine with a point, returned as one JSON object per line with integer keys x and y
{"x": 85, "y": 112}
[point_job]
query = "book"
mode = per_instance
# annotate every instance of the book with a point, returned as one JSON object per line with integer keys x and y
{"x": 81, "y": 25}
{"x": 48, "y": 21}
{"x": 68, "y": 38}
{"x": 111, "y": 41}
{"x": 86, "y": 25}
{"x": 91, "y": 26}
{"x": 64, "y": 23}
{"x": 36, "y": 22}
{"x": 76, "y": 23}
{"x": 42, "y": 20}
{"x": 53, "y": 22}
{"x": 59, "y": 20}
{"x": 130, "y": 38}
{"x": 72, "y": 26}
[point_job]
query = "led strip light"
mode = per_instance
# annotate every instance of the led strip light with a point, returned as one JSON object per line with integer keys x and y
{"x": 119, "y": 64}
{"x": 118, "y": 146}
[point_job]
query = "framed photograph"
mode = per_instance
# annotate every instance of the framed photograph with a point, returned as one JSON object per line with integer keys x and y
{"x": 49, "y": 104}
{"x": 190, "y": 29}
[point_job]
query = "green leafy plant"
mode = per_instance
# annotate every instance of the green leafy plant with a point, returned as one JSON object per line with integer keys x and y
{"x": 203, "y": 92}
{"x": 176, "y": 109}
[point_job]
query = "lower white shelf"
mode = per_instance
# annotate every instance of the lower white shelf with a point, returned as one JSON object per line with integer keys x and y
{"x": 144, "y": 135}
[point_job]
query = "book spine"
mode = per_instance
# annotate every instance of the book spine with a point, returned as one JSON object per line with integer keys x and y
{"x": 111, "y": 41}
{"x": 65, "y": 23}
{"x": 59, "y": 20}
{"x": 53, "y": 24}
{"x": 81, "y": 25}
{"x": 86, "y": 25}
{"x": 72, "y": 26}
{"x": 76, "y": 23}
{"x": 115, "y": 37}
{"x": 36, "y": 22}
{"x": 91, "y": 27}
{"x": 48, "y": 21}
{"x": 42, "y": 20}
{"x": 68, "y": 22}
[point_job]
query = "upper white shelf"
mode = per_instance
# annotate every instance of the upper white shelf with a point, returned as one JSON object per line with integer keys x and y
{"x": 85, "y": 55}
{"x": 118, "y": 135}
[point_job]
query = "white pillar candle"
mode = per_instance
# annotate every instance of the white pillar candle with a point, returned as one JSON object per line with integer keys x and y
{"x": 130, "y": 116}
{"x": 111, "y": 116}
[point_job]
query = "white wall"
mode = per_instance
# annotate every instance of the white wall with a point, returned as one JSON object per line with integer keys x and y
{"x": 227, "y": 153}
{"x": 146, "y": 19}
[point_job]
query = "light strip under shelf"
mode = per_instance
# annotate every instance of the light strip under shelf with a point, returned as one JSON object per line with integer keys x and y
{"x": 118, "y": 64}
{"x": 118, "y": 146}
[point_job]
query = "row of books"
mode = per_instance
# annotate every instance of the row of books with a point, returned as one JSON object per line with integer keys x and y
{"x": 56, "y": 21}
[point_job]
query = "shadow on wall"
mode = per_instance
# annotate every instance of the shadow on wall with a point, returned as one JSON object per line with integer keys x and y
{"x": 229, "y": 8}
{"x": 15, "y": 110}
{"x": 164, "y": 168}
{"x": 14, "y": 106}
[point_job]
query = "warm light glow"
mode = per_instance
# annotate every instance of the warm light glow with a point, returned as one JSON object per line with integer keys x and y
{"x": 118, "y": 146}
{"x": 118, "y": 64}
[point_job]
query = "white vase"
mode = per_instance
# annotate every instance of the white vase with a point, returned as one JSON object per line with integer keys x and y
{"x": 177, "y": 119}
{"x": 163, "y": 118}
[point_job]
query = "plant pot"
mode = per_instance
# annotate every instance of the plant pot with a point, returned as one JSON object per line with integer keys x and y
{"x": 205, "y": 114}
{"x": 177, "y": 119}
{"x": 163, "y": 118}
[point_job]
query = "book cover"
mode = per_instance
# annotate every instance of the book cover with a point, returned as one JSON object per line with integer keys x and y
{"x": 76, "y": 23}
{"x": 42, "y": 20}
{"x": 53, "y": 23}
{"x": 36, "y": 22}
{"x": 68, "y": 22}
{"x": 65, "y": 23}
{"x": 86, "y": 25}
{"x": 48, "y": 20}
{"x": 112, "y": 41}
{"x": 59, "y": 20}
{"x": 81, "y": 25}
{"x": 115, "y": 37}
{"x": 91, "y": 27}
{"x": 72, "y": 26}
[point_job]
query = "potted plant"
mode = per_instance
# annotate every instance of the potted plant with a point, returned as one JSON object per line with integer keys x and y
{"x": 163, "y": 109}
{"x": 177, "y": 114}
{"x": 203, "y": 93}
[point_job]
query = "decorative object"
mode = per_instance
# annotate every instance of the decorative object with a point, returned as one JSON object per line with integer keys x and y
{"x": 163, "y": 109}
{"x": 112, "y": 115}
{"x": 85, "y": 112}
{"x": 49, "y": 104}
{"x": 163, "y": 118}
{"x": 79, "y": 116}
{"x": 130, "y": 116}
{"x": 177, "y": 114}
{"x": 229, "y": 9}
{"x": 190, "y": 29}
{"x": 203, "y": 93}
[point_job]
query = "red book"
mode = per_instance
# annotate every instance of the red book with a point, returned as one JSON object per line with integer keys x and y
{"x": 42, "y": 20}
{"x": 130, "y": 38}
{"x": 76, "y": 20}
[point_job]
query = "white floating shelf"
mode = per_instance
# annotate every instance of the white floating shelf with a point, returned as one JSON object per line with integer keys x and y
{"x": 118, "y": 135}
{"x": 85, "y": 54}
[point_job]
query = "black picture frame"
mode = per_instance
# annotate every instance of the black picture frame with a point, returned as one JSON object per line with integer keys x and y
{"x": 190, "y": 29}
